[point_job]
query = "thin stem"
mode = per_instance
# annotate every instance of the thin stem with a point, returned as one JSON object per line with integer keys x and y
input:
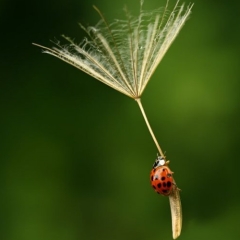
{"x": 149, "y": 127}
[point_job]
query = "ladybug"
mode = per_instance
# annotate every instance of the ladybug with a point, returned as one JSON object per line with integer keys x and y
{"x": 161, "y": 177}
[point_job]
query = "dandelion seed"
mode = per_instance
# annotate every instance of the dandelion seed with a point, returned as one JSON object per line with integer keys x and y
{"x": 124, "y": 55}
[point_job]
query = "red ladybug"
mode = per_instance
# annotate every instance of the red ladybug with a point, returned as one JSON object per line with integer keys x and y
{"x": 161, "y": 177}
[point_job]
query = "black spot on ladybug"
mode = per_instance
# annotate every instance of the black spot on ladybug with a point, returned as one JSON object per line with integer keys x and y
{"x": 155, "y": 164}
{"x": 159, "y": 185}
{"x": 151, "y": 178}
{"x": 165, "y": 191}
{"x": 154, "y": 170}
{"x": 163, "y": 178}
{"x": 164, "y": 184}
{"x": 164, "y": 169}
{"x": 153, "y": 186}
{"x": 169, "y": 184}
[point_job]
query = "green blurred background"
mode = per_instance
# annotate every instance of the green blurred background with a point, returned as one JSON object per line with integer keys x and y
{"x": 75, "y": 155}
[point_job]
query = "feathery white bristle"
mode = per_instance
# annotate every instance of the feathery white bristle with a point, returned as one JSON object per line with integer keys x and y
{"x": 125, "y": 53}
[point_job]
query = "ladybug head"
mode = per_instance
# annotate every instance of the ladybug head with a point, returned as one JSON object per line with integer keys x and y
{"x": 160, "y": 161}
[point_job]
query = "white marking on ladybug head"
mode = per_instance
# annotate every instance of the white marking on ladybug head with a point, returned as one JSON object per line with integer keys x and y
{"x": 160, "y": 161}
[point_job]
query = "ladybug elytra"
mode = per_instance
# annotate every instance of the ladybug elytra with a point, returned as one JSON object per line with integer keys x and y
{"x": 161, "y": 177}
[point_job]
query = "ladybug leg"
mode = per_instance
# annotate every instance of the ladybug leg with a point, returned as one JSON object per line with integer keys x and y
{"x": 176, "y": 186}
{"x": 167, "y": 162}
{"x": 164, "y": 156}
